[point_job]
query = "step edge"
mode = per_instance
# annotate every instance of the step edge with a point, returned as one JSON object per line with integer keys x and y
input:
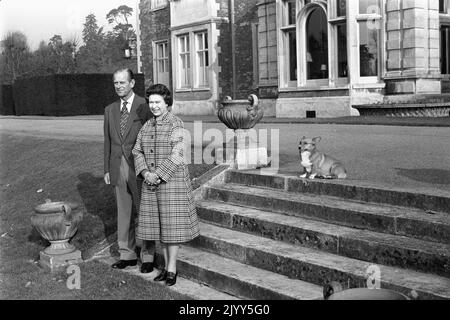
{"x": 390, "y": 280}
{"x": 258, "y": 283}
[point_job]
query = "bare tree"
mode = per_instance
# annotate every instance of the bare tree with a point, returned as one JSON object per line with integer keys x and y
{"x": 16, "y": 56}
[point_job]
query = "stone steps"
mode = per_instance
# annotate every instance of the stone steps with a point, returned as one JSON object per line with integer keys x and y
{"x": 377, "y": 217}
{"x": 311, "y": 265}
{"x": 429, "y": 200}
{"x": 185, "y": 286}
{"x": 380, "y": 248}
{"x": 239, "y": 279}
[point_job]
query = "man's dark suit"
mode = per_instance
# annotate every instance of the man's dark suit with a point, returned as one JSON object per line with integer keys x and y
{"x": 119, "y": 162}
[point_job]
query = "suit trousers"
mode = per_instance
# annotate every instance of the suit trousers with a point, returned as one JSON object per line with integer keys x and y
{"x": 126, "y": 194}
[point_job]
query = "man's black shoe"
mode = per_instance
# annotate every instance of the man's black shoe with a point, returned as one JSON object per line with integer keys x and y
{"x": 122, "y": 264}
{"x": 147, "y": 267}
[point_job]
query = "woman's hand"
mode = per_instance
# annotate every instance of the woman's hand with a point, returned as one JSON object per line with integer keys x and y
{"x": 151, "y": 178}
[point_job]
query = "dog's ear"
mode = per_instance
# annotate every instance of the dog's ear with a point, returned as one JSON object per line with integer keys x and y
{"x": 302, "y": 139}
{"x": 316, "y": 139}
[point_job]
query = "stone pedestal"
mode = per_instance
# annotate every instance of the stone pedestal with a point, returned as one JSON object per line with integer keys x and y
{"x": 55, "y": 262}
{"x": 242, "y": 152}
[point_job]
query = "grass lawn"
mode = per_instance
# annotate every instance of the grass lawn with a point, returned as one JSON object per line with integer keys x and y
{"x": 35, "y": 169}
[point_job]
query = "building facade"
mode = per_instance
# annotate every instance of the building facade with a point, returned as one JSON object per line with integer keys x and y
{"x": 303, "y": 58}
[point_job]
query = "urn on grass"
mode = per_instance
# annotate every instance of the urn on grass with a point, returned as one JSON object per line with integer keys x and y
{"x": 57, "y": 222}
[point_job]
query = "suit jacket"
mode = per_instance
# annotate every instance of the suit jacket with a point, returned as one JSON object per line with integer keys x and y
{"x": 114, "y": 144}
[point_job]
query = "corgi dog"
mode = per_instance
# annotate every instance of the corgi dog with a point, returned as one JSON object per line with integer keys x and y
{"x": 315, "y": 163}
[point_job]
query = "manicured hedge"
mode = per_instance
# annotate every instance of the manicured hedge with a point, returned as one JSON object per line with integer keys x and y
{"x": 6, "y": 100}
{"x": 67, "y": 94}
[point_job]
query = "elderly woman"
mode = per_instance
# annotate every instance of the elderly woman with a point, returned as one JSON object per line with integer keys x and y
{"x": 167, "y": 211}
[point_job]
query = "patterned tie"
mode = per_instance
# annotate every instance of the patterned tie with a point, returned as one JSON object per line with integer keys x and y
{"x": 123, "y": 118}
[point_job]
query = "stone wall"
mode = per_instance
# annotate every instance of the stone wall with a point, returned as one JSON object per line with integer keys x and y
{"x": 245, "y": 15}
{"x": 412, "y": 47}
{"x": 154, "y": 25}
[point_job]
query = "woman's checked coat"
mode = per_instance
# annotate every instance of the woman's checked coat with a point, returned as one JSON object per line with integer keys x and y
{"x": 167, "y": 214}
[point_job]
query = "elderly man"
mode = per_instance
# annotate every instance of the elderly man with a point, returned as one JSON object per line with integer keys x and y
{"x": 122, "y": 121}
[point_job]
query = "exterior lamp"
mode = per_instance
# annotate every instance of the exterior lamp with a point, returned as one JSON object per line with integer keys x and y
{"x": 127, "y": 53}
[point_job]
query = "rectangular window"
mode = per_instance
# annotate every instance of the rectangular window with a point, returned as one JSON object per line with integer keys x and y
{"x": 368, "y": 50}
{"x": 291, "y": 12}
{"x": 341, "y": 8}
{"x": 288, "y": 28}
{"x": 162, "y": 63}
{"x": 193, "y": 61}
{"x": 443, "y": 6}
{"x": 342, "y": 50}
{"x": 184, "y": 65}
{"x": 369, "y": 7}
{"x": 445, "y": 49}
{"x": 292, "y": 55}
{"x": 157, "y": 4}
{"x": 202, "y": 63}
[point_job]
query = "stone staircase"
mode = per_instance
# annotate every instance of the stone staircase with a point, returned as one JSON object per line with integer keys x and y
{"x": 282, "y": 237}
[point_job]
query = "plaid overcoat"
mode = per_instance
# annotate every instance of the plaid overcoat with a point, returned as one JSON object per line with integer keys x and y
{"x": 167, "y": 214}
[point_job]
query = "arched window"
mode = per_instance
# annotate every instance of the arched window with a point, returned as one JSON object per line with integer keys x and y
{"x": 317, "y": 45}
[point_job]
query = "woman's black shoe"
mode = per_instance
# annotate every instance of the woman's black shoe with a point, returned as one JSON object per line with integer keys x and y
{"x": 162, "y": 276}
{"x": 171, "y": 278}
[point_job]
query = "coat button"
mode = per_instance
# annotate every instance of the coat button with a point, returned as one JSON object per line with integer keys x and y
{"x": 152, "y": 164}
{"x": 151, "y": 137}
{"x": 151, "y": 150}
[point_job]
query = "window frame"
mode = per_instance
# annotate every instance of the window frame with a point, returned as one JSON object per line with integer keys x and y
{"x": 198, "y": 69}
{"x": 181, "y": 56}
{"x": 378, "y": 18}
{"x": 302, "y": 11}
{"x": 322, "y": 81}
{"x": 444, "y": 21}
{"x": 193, "y": 77}
{"x": 445, "y": 5}
{"x": 302, "y": 16}
{"x": 165, "y": 59}
{"x": 158, "y": 4}
{"x": 285, "y": 30}
{"x": 335, "y": 21}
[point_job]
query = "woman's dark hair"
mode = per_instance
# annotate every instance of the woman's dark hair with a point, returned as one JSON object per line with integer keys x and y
{"x": 161, "y": 90}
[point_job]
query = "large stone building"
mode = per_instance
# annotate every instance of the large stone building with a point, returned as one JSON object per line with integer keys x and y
{"x": 303, "y": 58}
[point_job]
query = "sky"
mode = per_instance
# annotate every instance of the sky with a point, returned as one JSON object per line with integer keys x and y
{"x": 41, "y": 19}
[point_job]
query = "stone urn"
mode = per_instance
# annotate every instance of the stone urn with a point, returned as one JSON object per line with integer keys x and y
{"x": 240, "y": 114}
{"x": 335, "y": 291}
{"x": 57, "y": 222}
{"x": 367, "y": 294}
{"x": 242, "y": 152}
